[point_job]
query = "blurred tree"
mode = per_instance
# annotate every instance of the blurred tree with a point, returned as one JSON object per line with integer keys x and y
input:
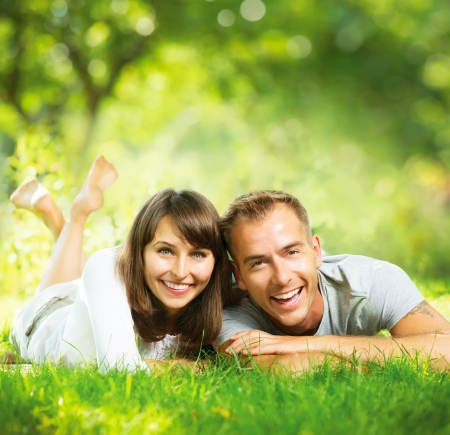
{"x": 381, "y": 68}
{"x": 345, "y": 103}
{"x": 65, "y": 56}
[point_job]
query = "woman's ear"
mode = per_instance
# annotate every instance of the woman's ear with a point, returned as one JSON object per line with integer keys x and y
{"x": 237, "y": 276}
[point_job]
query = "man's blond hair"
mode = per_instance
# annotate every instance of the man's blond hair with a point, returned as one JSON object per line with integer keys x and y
{"x": 255, "y": 206}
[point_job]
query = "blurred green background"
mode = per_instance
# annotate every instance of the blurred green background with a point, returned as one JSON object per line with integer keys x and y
{"x": 342, "y": 103}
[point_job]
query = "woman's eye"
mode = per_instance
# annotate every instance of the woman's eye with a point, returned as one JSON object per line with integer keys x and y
{"x": 198, "y": 255}
{"x": 165, "y": 251}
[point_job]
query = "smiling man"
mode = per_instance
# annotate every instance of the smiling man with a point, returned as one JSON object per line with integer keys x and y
{"x": 301, "y": 307}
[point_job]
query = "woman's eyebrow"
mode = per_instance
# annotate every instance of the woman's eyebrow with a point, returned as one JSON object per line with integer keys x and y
{"x": 200, "y": 248}
{"x": 163, "y": 242}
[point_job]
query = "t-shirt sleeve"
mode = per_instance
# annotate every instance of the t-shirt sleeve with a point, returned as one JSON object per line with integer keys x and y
{"x": 242, "y": 317}
{"x": 394, "y": 294}
{"x": 110, "y": 314}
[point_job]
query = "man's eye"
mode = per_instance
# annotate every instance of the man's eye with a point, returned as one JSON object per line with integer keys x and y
{"x": 257, "y": 263}
{"x": 292, "y": 252}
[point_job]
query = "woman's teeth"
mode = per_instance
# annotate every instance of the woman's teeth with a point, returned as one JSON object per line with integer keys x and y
{"x": 176, "y": 286}
{"x": 287, "y": 295}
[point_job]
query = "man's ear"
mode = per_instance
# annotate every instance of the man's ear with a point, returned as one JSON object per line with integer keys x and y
{"x": 317, "y": 251}
{"x": 237, "y": 276}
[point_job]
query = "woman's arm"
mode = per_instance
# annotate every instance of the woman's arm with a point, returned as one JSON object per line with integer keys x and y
{"x": 103, "y": 296}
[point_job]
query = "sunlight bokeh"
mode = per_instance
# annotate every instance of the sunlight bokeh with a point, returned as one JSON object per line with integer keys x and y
{"x": 346, "y": 107}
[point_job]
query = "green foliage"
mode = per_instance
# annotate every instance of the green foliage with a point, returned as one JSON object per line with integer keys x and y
{"x": 437, "y": 292}
{"x": 345, "y": 106}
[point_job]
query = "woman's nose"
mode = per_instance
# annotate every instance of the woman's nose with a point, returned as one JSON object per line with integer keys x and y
{"x": 180, "y": 267}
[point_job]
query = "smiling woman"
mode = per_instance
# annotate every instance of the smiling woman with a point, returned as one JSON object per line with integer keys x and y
{"x": 175, "y": 249}
{"x": 165, "y": 286}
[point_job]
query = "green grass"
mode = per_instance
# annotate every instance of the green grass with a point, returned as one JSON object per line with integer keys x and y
{"x": 403, "y": 397}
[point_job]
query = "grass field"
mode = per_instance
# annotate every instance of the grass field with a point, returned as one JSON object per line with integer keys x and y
{"x": 403, "y": 397}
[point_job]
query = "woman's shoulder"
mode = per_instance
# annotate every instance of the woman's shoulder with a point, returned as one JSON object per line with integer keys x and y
{"x": 107, "y": 252}
{"x": 103, "y": 258}
{"x": 100, "y": 275}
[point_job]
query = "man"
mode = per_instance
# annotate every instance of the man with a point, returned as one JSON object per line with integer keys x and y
{"x": 302, "y": 307}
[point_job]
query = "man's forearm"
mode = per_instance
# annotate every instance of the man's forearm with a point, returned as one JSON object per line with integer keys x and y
{"x": 294, "y": 362}
{"x": 435, "y": 348}
{"x": 428, "y": 347}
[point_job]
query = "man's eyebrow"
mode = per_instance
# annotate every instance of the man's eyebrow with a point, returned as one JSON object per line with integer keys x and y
{"x": 284, "y": 248}
{"x": 253, "y": 257}
{"x": 293, "y": 244}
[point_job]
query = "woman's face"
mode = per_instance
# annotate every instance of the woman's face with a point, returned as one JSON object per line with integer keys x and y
{"x": 175, "y": 271}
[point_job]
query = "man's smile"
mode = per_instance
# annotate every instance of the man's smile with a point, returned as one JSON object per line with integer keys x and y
{"x": 290, "y": 298}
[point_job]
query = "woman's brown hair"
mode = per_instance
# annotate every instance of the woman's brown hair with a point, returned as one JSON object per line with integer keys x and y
{"x": 197, "y": 221}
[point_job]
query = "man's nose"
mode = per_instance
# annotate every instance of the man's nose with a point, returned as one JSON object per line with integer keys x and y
{"x": 281, "y": 273}
{"x": 180, "y": 267}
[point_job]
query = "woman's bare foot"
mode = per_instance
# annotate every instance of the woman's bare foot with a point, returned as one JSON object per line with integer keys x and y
{"x": 102, "y": 175}
{"x": 36, "y": 198}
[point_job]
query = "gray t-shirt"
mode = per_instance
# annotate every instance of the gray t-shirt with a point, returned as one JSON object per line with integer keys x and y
{"x": 361, "y": 296}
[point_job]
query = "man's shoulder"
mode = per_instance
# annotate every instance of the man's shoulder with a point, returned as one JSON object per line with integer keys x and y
{"x": 356, "y": 273}
{"x": 244, "y": 316}
{"x": 351, "y": 264}
{"x": 248, "y": 315}
{"x": 244, "y": 306}
{"x": 349, "y": 260}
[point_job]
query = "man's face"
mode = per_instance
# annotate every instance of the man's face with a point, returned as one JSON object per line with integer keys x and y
{"x": 276, "y": 262}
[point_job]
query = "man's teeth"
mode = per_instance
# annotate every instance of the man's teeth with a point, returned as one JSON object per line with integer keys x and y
{"x": 287, "y": 295}
{"x": 176, "y": 286}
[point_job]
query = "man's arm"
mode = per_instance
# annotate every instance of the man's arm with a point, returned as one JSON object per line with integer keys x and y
{"x": 423, "y": 331}
{"x": 291, "y": 362}
{"x": 423, "y": 319}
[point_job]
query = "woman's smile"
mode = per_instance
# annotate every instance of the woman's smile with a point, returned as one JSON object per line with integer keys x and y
{"x": 177, "y": 288}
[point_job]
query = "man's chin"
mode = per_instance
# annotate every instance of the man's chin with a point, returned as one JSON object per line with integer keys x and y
{"x": 286, "y": 322}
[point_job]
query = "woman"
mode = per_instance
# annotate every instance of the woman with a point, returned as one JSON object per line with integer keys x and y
{"x": 165, "y": 285}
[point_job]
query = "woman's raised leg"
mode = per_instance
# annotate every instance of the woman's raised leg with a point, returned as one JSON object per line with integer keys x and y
{"x": 67, "y": 259}
{"x": 66, "y": 263}
{"x": 36, "y": 198}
